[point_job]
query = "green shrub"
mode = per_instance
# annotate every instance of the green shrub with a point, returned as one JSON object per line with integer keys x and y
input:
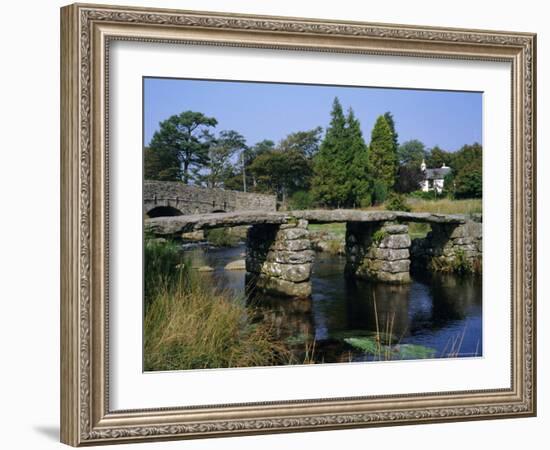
{"x": 366, "y": 201}
{"x": 428, "y": 195}
{"x": 302, "y": 200}
{"x": 378, "y": 236}
{"x": 397, "y": 202}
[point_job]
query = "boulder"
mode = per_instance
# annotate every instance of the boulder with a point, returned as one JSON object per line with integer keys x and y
{"x": 239, "y": 264}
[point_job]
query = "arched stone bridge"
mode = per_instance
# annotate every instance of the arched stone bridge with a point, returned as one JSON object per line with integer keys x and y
{"x": 378, "y": 246}
{"x": 167, "y": 198}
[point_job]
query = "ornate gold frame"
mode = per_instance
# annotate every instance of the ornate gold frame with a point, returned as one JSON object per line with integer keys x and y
{"x": 86, "y": 31}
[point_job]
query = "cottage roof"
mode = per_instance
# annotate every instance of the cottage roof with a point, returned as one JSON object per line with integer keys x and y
{"x": 437, "y": 174}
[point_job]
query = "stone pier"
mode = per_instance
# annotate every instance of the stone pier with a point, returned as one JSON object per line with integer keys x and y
{"x": 279, "y": 258}
{"x": 378, "y": 251}
{"x": 450, "y": 248}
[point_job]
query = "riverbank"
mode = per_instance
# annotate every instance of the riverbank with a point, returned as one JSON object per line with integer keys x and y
{"x": 192, "y": 323}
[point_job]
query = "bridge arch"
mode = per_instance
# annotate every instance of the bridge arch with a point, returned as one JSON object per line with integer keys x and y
{"x": 164, "y": 211}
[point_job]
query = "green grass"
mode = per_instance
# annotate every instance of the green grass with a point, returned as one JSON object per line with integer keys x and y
{"x": 441, "y": 206}
{"x": 418, "y": 230}
{"x": 190, "y": 324}
{"x": 446, "y": 206}
{"x": 337, "y": 228}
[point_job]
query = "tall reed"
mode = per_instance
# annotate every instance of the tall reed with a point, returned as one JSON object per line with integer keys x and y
{"x": 190, "y": 324}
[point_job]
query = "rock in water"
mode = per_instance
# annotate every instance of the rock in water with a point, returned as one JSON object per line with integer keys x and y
{"x": 239, "y": 264}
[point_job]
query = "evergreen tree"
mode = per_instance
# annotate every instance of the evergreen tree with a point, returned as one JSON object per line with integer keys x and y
{"x": 329, "y": 164}
{"x": 358, "y": 169}
{"x": 382, "y": 155}
{"x": 184, "y": 137}
{"x": 395, "y": 137}
{"x": 161, "y": 165}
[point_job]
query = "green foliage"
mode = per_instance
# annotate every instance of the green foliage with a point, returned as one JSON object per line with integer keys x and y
{"x": 468, "y": 183}
{"x": 302, "y": 200}
{"x": 305, "y": 142}
{"x": 428, "y": 195}
{"x": 411, "y": 153}
{"x": 461, "y": 264}
{"x": 330, "y": 181}
{"x": 397, "y": 202}
{"x": 220, "y": 152}
{"x": 408, "y": 179}
{"x": 373, "y": 347}
{"x": 161, "y": 165}
{"x": 414, "y": 351}
{"x": 366, "y": 344}
{"x": 366, "y": 200}
{"x": 163, "y": 265}
{"x": 221, "y": 237}
{"x": 382, "y": 156}
{"x": 378, "y": 236}
{"x": 190, "y": 324}
{"x": 281, "y": 172}
{"x": 183, "y": 137}
{"x": 391, "y": 122}
{"x": 379, "y": 192}
{"x": 437, "y": 157}
{"x": 341, "y": 176}
{"x": 358, "y": 171}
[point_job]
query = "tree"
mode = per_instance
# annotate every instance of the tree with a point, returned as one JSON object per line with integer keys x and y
{"x": 437, "y": 157}
{"x": 184, "y": 137}
{"x": 468, "y": 183}
{"x": 391, "y": 122}
{"x": 161, "y": 165}
{"x": 358, "y": 168}
{"x": 341, "y": 165}
{"x": 411, "y": 153}
{"x": 408, "y": 179}
{"x": 329, "y": 181}
{"x": 468, "y": 155}
{"x": 306, "y": 142}
{"x": 382, "y": 154}
{"x": 220, "y": 152}
{"x": 281, "y": 172}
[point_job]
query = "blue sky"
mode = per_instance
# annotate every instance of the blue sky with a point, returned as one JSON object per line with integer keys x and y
{"x": 271, "y": 111}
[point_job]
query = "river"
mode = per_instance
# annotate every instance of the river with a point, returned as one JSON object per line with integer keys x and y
{"x": 438, "y": 311}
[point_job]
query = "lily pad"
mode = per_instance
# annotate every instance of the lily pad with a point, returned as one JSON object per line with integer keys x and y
{"x": 413, "y": 351}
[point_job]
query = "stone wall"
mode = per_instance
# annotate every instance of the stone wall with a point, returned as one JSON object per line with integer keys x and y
{"x": 378, "y": 251}
{"x": 280, "y": 258}
{"x": 197, "y": 200}
{"x": 450, "y": 248}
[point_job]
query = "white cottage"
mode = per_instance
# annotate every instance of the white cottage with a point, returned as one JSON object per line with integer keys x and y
{"x": 434, "y": 179}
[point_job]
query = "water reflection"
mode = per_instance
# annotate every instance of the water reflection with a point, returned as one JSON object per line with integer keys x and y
{"x": 442, "y": 312}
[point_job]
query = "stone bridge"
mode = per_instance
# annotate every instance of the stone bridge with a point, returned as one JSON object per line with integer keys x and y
{"x": 168, "y": 198}
{"x": 279, "y": 256}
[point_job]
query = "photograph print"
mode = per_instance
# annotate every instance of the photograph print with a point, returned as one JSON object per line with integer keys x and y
{"x": 293, "y": 224}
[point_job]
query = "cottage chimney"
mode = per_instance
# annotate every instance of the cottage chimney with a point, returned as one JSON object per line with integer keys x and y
{"x": 423, "y": 165}
{"x": 443, "y": 166}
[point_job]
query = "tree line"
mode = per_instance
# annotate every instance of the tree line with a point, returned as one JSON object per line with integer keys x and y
{"x": 309, "y": 168}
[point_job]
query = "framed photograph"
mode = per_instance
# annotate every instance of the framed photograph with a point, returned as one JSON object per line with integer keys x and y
{"x": 276, "y": 224}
